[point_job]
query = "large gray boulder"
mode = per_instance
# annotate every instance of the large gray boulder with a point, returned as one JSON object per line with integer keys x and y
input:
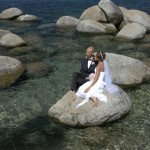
{"x": 139, "y": 17}
{"x": 127, "y": 71}
{"x": 113, "y": 13}
{"x": 27, "y": 17}
{"x": 132, "y": 31}
{"x": 10, "y": 71}
{"x": 10, "y": 13}
{"x": 64, "y": 112}
{"x": 90, "y": 26}
{"x": 11, "y": 40}
{"x": 3, "y": 32}
{"x": 93, "y": 13}
{"x": 67, "y": 21}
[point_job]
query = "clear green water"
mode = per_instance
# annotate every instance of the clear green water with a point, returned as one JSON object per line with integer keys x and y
{"x": 24, "y": 123}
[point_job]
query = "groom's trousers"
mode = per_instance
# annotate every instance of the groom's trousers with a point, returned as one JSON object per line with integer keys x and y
{"x": 77, "y": 80}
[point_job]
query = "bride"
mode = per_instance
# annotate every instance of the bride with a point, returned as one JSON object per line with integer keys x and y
{"x": 97, "y": 83}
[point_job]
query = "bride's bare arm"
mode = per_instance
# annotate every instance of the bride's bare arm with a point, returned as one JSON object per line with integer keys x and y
{"x": 99, "y": 68}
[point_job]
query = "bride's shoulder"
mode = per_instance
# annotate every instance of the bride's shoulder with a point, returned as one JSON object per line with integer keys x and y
{"x": 100, "y": 65}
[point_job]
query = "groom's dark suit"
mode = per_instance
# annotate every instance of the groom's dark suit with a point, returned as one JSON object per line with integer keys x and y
{"x": 79, "y": 78}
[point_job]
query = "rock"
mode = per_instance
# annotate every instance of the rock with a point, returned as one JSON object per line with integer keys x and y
{"x": 3, "y": 32}
{"x": 126, "y": 71}
{"x": 93, "y": 13}
{"x": 132, "y": 31}
{"x": 10, "y": 13}
{"x": 11, "y": 40}
{"x": 125, "y": 20}
{"x": 139, "y": 17}
{"x": 67, "y": 21}
{"x": 90, "y": 26}
{"x": 147, "y": 76}
{"x": 10, "y": 71}
{"x": 123, "y": 23}
{"x": 37, "y": 70}
{"x": 124, "y": 10}
{"x": 110, "y": 28}
{"x": 113, "y": 13}
{"x": 27, "y": 17}
{"x": 64, "y": 112}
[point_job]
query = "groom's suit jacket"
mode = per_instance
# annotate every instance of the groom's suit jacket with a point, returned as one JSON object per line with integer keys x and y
{"x": 85, "y": 71}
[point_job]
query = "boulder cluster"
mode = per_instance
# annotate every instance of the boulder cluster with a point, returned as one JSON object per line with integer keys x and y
{"x": 16, "y": 14}
{"x": 108, "y": 18}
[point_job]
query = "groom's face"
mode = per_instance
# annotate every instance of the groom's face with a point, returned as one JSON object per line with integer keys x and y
{"x": 89, "y": 52}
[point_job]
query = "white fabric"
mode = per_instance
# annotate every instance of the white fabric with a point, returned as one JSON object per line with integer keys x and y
{"x": 96, "y": 90}
{"x": 110, "y": 87}
{"x": 89, "y": 63}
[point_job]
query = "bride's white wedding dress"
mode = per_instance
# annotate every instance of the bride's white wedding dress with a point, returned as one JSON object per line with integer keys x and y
{"x": 103, "y": 82}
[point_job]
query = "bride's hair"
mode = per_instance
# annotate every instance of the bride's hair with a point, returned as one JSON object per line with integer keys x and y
{"x": 101, "y": 55}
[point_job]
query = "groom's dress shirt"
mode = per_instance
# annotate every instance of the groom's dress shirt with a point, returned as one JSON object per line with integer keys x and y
{"x": 89, "y": 62}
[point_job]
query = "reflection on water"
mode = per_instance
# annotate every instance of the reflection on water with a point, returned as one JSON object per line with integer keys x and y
{"x": 24, "y": 123}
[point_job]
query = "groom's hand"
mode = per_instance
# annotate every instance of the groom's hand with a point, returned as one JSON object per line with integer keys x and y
{"x": 87, "y": 89}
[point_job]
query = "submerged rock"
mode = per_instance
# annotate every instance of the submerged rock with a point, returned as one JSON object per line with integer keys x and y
{"x": 37, "y": 70}
{"x": 64, "y": 112}
{"x": 10, "y": 71}
{"x": 10, "y": 13}
{"x": 11, "y": 40}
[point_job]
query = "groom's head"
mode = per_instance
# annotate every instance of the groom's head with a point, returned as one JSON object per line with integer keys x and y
{"x": 90, "y": 52}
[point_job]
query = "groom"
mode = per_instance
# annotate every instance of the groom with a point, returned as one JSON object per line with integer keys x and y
{"x": 88, "y": 66}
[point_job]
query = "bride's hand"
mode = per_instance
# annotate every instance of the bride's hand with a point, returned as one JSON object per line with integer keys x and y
{"x": 87, "y": 89}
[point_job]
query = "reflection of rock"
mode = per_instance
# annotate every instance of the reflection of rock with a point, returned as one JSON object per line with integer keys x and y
{"x": 34, "y": 39}
{"x": 11, "y": 40}
{"x": 64, "y": 111}
{"x": 48, "y": 25}
{"x": 93, "y": 13}
{"x": 49, "y": 51}
{"x": 30, "y": 58}
{"x": 10, "y": 13}
{"x": 67, "y": 21}
{"x": 10, "y": 71}
{"x": 126, "y": 46}
{"x": 3, "y": 32}
{"x": 113, "y": 13}
{"x": 90, "y": 26}
{"x": 27, "y": 17}
{"x": 126, "y": 71}
{"x": 37, "y": 70}
{"x": 132, "y": 31}
{"x": 17, "y": 51}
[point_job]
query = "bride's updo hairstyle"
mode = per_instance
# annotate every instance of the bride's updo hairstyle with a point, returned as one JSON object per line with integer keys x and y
{"x": 101, "y": 55}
